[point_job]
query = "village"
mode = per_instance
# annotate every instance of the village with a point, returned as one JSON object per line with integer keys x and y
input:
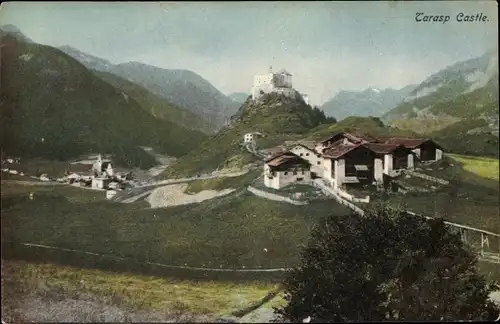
{"x": 100, "y": 176}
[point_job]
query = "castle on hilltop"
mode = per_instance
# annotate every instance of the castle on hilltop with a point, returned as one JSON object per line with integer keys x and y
{"x": 274, "y": 82}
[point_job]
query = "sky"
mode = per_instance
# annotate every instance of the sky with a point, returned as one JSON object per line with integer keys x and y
{"x": 327, "y": 46}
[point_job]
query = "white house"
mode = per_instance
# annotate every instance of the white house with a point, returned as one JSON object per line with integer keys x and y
{"x": 110, "y": 194}
{"x": 44, "y": 177}
{"x": 248, "y": 138}
{"x": 100, "y": 182}
{"x": 285, "y": 169}
{"x": 308, "y": 154}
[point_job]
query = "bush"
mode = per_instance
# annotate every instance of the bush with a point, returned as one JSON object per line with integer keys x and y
{"x": 386, "y": 266}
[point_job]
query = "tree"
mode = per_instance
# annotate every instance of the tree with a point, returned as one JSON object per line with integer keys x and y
{"x": 385, "y": 265}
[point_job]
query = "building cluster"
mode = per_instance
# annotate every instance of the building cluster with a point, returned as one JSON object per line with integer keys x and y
{"x": 274, "y": 82}
{"x": 102, "y": 176}
{"x": 348, "y": 158}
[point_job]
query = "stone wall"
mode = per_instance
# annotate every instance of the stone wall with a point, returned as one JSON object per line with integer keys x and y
{"x": 275, "y": 197}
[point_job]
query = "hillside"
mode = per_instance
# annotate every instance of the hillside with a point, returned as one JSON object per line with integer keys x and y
{"x": 463, "y": 91}
{"x": 278, "y": 118}
{"x": 54, "y": 107}
{"x": 158, "y": 107}
{"x": 369, "y": 102}
{"x": 183, "y": 88}
{"x": 372, "y": 126}
{"x": 239, "y": 97}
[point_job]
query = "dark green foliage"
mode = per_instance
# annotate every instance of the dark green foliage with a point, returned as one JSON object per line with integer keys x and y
{"x": 386, "y": 266}
{"x": 456, "y": 138}
{"x": 47, "y": 95}
{"x": 158, "y": 107}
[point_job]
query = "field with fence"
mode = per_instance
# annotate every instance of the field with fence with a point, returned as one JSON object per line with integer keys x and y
{"x": 237, "y": 231}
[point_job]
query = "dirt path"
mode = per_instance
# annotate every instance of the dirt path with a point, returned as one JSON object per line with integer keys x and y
{"x": 173, "y": 195}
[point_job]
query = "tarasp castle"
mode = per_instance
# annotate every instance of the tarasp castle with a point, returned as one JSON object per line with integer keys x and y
{"x": 278, "y": 82}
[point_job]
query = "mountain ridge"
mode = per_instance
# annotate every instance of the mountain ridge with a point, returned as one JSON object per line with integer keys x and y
{"x": 368, "y": 102}
{"x": 183, "y": 88}
{"x": 54, "y": 107}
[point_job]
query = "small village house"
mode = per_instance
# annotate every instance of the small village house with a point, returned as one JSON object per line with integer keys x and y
{"x": 44, "y": 177}
{"x": 110, "y": 194}
{"x": 248, "y": 138}
{"x": 426, "y": 150}
{"x": 100, "y": 182}
{"x": 390, "y": 159}
{"x": 284, "y": 169}
{"x": 308, "y": 153}
{"x": 346, "y": 163}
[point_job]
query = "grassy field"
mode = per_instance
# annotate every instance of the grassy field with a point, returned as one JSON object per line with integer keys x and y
{"x": 481, "y": 166}
{"x": 229, "y": 232}
{"x": 471, "y": 198}
{"x": 132, "y": 291}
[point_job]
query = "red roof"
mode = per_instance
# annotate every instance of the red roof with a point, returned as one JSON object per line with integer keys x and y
{"x": 406, "y": 142}
{"x": 339, "y": 150}
{"x": 273, "y": 150}
{"x": 382, "y": 148}
{"x": 283, "y": 158}
{"x": 354, "y": 137}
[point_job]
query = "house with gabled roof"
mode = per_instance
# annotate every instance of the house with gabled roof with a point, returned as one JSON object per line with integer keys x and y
{"x": 284, "y": 169}
{"x": 308, "y": 153}
{"x": 425, "y": 149}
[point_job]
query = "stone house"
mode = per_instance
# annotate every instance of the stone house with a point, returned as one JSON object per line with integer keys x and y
{"x": 390, "y": 159}
{"x": 284, "y": 169}
{"x": 308, "y": 153}
{"x": 426, "y": 150}
{"x": 100, "y": 182}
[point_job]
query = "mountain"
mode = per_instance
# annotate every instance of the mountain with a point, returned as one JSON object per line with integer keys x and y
{"x": 54, "y": 107}
{"x": 156, "y": 106}
{"x": 465, "y": 90}
{"x": 276, "y": 117}
{"x": 369, "y": 102}
{"x": 90, "y": 61}
{"x": 457, "y": 105}
{"x": 13, "y": 31}
{"x": 183, "y": 88}
{"x": 239, "y": 97}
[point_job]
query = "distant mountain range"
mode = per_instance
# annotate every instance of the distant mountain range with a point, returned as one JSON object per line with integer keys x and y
{"x": 239, "y": 97}
{"x": 458, "y": 104}
{"x": 182, "y": 88}
{"x": 465, "y": 90}
{"x": 54, "y": 107}
{"x": 369, "y": 102}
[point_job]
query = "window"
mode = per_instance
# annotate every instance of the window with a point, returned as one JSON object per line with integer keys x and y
{"x": 294, "y": 172}
{"x": 285, "y": 173}
{"x": 303, "y": 172}
{"x": 319, "y": 162}
{"x": 301, "y": 154}
{"x": 307, "y": 154}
